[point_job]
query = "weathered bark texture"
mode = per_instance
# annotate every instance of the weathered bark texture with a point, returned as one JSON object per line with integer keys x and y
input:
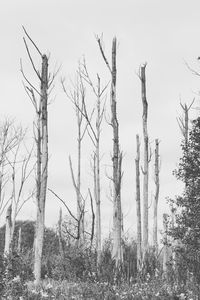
{"x": 156, "y": 197}
{"x": 19, "y": 242}
{"x": 8, "y": 230}
{"x": 80, "y": 205}
{"x": 42, "y": 169}
{"x": 165, "y": 248}
{"x": 117, "y": 158}
{"x": 146, "y": 161}
{"x": 61, "y": 249}
{"x": 97, "y": 189}
{"x": 117, "y": 161}
{"x": 138, "y": 206}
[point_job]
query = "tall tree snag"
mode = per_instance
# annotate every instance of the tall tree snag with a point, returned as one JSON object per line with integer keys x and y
{"x": 156, "y": 196}
{"x": 42, "y": 168}
{"x": 95, "y": 134}
{"x": 41, "y": 138}
{"x": 138, "y": 206}
{"x": 117, "y": 158}
{"x": 146, "y": 160}
{"x": 77, "y": 96}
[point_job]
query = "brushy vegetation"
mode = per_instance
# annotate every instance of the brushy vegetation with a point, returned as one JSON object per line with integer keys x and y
{"x": 78, "y": 278}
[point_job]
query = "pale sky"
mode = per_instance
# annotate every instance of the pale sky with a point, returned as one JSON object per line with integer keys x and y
{"x": 164, "y": 34}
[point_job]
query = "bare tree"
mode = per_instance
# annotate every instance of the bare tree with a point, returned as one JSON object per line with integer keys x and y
{"x": 77, "y": 96}
{"x": 117, "y": 156}
{"x": 19, "y": 181}
{"x": 15, "y": 172}
{"x": 138, "y": 206}
{"x": 41, "y": 138}
{"x": 156, "y": 196}
{"x": 146, "y": 160}
{"x": 10, "y": 138}
{"x": 94, "y": 134}
{"x": 183, "y": 122}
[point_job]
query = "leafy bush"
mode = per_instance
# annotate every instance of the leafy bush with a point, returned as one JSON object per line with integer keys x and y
{"x": 16, "y": 271}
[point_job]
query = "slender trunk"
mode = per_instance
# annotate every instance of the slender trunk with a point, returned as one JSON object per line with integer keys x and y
{"x": 146, "y": 161}
{"x": 97, "y": 178}
{"x": 165, "y": 248}
{"x": 19, "y": 242}
{"x": 155, "y": 205}
{"x": 186, "y": 110}
{"x": 8, "y": 230}
{"x": 80, "y": 208}
{"x": 61, "y": 249}
{"x": 117, "y": 159}
{"x": 42, "y": 171}
{"x": 61, "y": 246}
{"x": 138, "y": 207}
{"x": 186, "y": 134}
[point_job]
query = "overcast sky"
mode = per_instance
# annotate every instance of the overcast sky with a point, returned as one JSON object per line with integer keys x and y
{"x": 164, "y": 34}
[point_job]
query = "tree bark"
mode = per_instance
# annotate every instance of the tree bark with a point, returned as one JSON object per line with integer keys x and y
{"x": 19, "y": 242}
{"x": 146, "y": 161}
{"x": 165, "y": 248}
{"x": 80, "y": 208}
{"x": 117, "y": 160}
{"x": 42, "y": 169}
{"x": 97, "y": 191}
{"x": 8, "y": 230}
{"x": 155, "y": 205}
{"x": 138, "y": 206}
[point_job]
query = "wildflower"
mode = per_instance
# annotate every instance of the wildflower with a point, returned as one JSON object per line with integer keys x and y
{"x": 44, "y": 294}
{"x": 156, "y": 273}
{"x": 49, "y": 286}
{"x": 16, "y": 279}
{"x": 182, "y": 296}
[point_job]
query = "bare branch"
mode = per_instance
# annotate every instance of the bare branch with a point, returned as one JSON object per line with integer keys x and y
{"x": 103, "y": 54}
{"x": 31, "y": 60}
{"x": 32, "y": 41}
{"x": 63, "y": 202}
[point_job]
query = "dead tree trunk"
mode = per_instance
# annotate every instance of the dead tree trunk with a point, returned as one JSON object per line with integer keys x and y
{"x": 60, "y": 240}
{"x": 116, "y": 159}
{"x": 146, "y": 161}
{"x": 77, "y": 96}
{"x": 138, "y": 207}
{"x": 183, "y": 123}
{"x": 42, "y": 169}
{"x": 97, "y": 185}
{"x": 41, "y": 138}
{"x": 95, "y": 134}
{"x": 8, "y": 230}
{"x": 80, "y": 205}
{"x": 19, "y": 242}
{"x": 155, "y": 204}
{"x": 165, "y": 248}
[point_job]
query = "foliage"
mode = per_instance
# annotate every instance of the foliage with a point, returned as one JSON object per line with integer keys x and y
{"x": 153, "y": 289}
{"x": 187, "y": 227}
{"x": 16, "y": 271}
